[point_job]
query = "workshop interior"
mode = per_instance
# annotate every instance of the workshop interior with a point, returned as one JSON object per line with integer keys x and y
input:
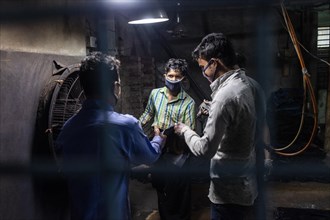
{"x": 284, "y": 45}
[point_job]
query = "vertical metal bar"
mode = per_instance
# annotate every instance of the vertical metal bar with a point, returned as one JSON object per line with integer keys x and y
{"x": 263, "y": 71}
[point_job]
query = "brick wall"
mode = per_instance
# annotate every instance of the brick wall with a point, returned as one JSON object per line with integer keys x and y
{"x": 137, "y": 80}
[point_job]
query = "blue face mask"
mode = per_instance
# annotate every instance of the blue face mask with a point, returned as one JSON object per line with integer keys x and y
{"x": 209, "y": 78}
{"x": 173, "y": 86}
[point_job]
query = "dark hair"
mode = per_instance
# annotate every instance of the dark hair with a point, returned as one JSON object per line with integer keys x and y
{"x": 98, "y": 72}
{"x": 216, "y": 45}
{"x": 177, "y": 64}
{"x": 240, "y": 60}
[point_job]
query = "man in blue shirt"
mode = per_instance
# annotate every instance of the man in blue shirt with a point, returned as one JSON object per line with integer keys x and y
{"x": 98, "y": 145}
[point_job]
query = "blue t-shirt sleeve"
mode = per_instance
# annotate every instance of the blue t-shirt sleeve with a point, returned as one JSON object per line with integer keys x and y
{"x": 142, "y": 150}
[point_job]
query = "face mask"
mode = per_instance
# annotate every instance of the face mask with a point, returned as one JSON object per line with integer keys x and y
{"x": 209, "y": 78}
{"x": 173, "y": 86}
{"x": 116, "y": 99}
{"x": 117, "y": 92}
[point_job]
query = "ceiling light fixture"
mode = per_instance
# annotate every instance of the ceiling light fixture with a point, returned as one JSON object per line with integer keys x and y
{"x": 177, "y": 30}
{"x": 154, "y": 16}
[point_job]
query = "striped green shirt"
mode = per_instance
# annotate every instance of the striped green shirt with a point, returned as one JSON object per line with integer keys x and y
{"x": 164, "y": 113}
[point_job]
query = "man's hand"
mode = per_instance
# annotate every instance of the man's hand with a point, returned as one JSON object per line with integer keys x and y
{"x": 179, "y": 128}
{"x": 268, "y": 163}
{"x": 159, "y": 133}
{"x": 204, "y": 108}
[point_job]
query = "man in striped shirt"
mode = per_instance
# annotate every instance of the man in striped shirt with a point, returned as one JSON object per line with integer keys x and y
{"x": 166, "y": 106}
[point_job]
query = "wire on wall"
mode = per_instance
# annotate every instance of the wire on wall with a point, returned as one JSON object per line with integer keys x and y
{"x": 307, "y": 87}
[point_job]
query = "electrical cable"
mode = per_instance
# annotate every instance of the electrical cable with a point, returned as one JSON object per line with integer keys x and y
{"x": 312, "y": 55}
{"x": 307, "y": 86}
{"x": 319, "y": 59}
{"x": 286, "y": 19}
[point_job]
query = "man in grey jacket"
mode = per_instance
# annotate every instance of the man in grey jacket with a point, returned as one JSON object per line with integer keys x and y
{"x": 230, "y": 135}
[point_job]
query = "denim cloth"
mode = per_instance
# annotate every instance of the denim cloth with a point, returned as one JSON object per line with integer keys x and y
{"x": 231, "y": 212}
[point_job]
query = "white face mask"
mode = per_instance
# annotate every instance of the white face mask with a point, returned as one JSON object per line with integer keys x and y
{"x": 117, "y": 91}
{"x": 209, "y": 78}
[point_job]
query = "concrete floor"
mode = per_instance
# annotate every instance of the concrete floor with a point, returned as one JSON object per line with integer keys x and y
{"x": 302, "y": 195}
{"x": 306, "y": 194}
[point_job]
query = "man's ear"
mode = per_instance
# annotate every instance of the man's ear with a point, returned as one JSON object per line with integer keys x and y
{"x": 213, "y": 63}
{"x": 222, "y": 66}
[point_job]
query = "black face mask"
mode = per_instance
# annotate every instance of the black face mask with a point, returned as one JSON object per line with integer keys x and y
{"x": 173, "y": 86}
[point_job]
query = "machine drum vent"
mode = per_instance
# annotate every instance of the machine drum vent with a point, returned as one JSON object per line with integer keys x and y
{"x": 62, "y": 98}
{"x": 67, "y": 100}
